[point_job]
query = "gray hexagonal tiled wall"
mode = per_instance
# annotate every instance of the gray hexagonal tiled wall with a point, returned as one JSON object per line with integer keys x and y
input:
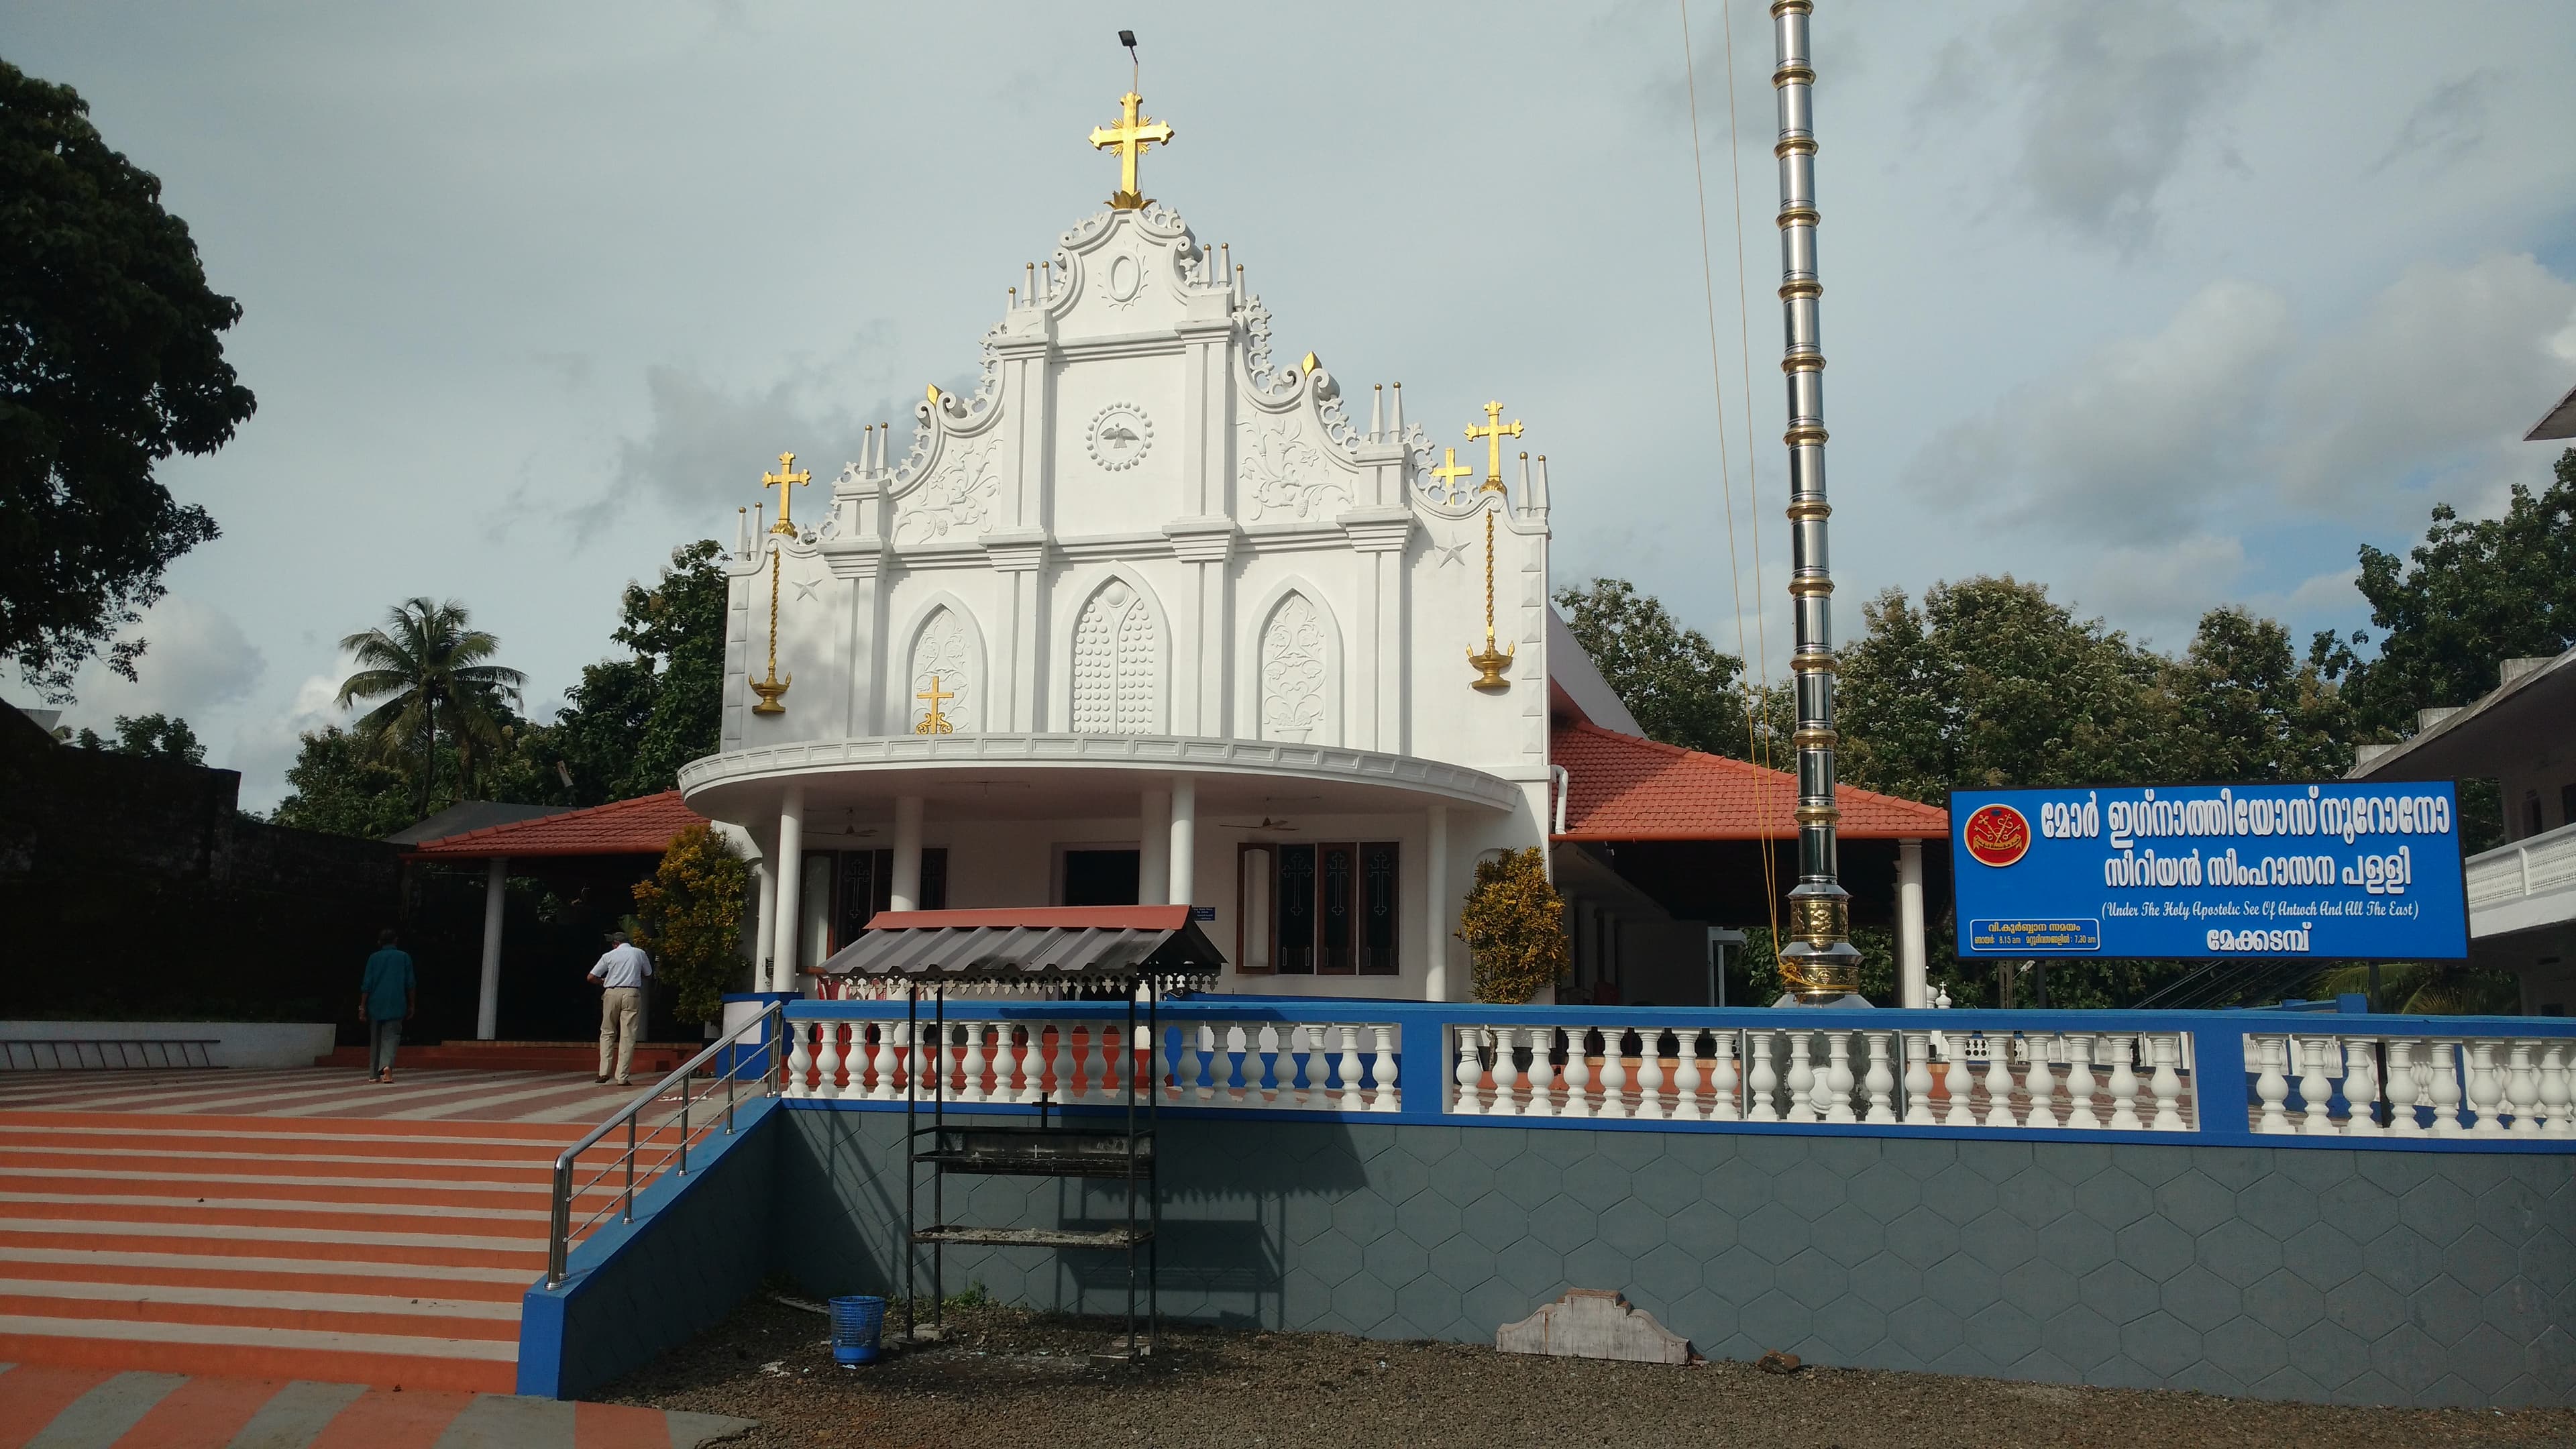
{"x": 2340, "y": 1275}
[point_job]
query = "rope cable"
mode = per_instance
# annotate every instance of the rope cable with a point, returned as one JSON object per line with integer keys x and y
{"x": 1752, "y": 491}
{"x": 1756, "y": 741}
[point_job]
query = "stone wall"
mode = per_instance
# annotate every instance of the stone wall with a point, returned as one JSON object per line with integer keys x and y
{"x": 2336, "y": 1275}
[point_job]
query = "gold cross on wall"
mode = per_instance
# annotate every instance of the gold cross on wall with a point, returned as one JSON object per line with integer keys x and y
{"x": 1451, "y": 470}
{"x": 934, "y": 723}
{"x": 1493, "y": 432}
{"x": 785, "y": 482}
{"x": 1134, "y": 132}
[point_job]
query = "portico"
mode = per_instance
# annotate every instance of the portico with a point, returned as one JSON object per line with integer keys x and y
{"x": 1255, "y": 833}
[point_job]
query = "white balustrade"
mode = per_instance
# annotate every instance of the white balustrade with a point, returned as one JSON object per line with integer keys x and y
{"x": 1723, "y": 1083}
{"x": 2488, "y": 1086}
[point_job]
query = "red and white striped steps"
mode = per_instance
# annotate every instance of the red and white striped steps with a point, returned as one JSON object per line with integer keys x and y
{"x": 349, "y": 1250}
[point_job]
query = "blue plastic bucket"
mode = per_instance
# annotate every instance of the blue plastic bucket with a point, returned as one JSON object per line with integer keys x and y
{"x": 856, "y": 1322}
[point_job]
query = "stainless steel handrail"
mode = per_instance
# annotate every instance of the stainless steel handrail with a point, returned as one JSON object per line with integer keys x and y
{"x": 559, "y": 1220}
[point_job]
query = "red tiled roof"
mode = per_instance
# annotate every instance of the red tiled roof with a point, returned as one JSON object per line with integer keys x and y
{"x": 642, "y": 826}
{"x": 1625, "y": 788}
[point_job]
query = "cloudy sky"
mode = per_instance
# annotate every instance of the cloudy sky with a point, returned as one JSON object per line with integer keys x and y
{"x": 2167, "y": 305}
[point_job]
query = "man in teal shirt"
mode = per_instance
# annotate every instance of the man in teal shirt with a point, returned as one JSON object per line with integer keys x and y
{"x": 386, "y": 999}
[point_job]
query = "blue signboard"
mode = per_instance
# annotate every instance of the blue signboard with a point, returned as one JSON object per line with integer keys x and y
{"x": 2361, "y": 871}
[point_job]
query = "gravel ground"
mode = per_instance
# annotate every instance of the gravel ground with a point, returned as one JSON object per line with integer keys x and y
{"x": 1006, "y": 1378}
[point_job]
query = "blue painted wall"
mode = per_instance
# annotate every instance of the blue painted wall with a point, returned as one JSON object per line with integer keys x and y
{"x": 2292, "y": 1273}
{"x": 634, "y": 1292}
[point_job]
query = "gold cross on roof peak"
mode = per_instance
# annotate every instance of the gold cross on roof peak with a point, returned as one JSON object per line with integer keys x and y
{"x": 1134, "y": 132}
{"x": 786, "y": 483}
{"x": 1493, "y": 432}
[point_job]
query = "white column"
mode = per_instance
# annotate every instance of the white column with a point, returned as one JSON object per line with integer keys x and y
{"x": 487, "y": 1008}
{"x": 791, "y": 885}
{"x": 1910, "y": 970}
{"x": 764, "y": 942}
{"x": 906, "y": 892}
{"x": 1154, "y": 849}
{"x": 1435, "y": 908}
{"x": 1185, "y": 839}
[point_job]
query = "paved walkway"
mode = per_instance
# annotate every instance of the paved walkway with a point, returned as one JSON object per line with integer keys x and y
{"x": 322, "y": 1092}
{"x": 69, "y": 1408}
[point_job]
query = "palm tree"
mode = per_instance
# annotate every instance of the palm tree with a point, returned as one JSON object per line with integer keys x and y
{"x": 2428, "y": 988}
{"x": 428, "y": 669}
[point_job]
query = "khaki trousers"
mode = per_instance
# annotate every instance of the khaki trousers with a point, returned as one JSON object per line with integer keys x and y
{"x": 621, "y": 1016}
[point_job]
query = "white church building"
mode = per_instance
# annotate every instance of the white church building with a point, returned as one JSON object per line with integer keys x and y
{"x": 1163, "y": 612}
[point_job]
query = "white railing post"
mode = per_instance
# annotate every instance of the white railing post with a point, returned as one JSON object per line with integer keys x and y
{"x": 800, "y": 1058}
{"x": 2361, "y": 1086}
{"x": 1802, "y": 1077}
{"x": 2039, "y": 1080}
{"x": 1958, "y": 1081}
{"x": 2522, "y": 1089}
{"x": 1918, "y": 1078}
{"x": 2405, "y": 1086}
{"x": 1761, "y": 1087}
{"x": 1881, "y": 1082}
{"x": 2079, "y": 1081}
{"x": 1838, "y": 1077}
{"x": 1999, "y": 1080}
{"x": 2486, "y": 1087}
{"x": 1346, "y": 1065}
{"x": 2316, "y": 1093}
{"x": 1721, "y": 1107}
{"x": 2271, "y": 1086}
{"x": 1689, "y": 1104}
{"x": 1650, "y": 1073}
{"x": 2557, "y": 1093}
{"x": 2124, "y": 1085}
{"x": 2444, "y": 1082}
{"x": 1387, "y": 1097}
{"x": 2167, "y": 1082}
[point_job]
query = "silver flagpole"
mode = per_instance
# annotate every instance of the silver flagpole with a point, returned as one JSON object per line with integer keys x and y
{"x": 1818, "y": 962}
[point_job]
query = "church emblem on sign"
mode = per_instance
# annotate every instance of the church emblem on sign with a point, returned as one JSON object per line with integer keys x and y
{"x": 1119, "y": 436}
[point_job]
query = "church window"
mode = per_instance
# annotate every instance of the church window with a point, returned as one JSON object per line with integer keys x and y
{"x": 1325, "y": 909}
{"x": 943, "y": 689}
{"x": 1292, "y": 672}
{"x": 1117, "y": 665}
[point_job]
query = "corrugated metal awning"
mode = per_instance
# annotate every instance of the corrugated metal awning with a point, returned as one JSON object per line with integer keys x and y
{"x": 1056, "y": 943}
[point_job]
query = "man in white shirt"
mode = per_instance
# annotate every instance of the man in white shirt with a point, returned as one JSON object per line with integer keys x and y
{"x": 621, "y": 975}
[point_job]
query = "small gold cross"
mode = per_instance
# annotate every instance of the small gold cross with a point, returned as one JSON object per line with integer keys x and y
{"x": 784, "y": 482}
{"x": 1451, "y": 470}
{"x": 934, "y": 723}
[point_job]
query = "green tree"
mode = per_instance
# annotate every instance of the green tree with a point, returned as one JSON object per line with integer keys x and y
{"x": 689, "y": 918}
{"x": 1682, "y": 689}
{"x": 1514, "y": 927}
{"x": 1993, "y": 683}
{"x": 427, "y": 667}
{"x": 2473, "y": 594}
{"x": 2244, "y": 707}
{"x": 110, "y": 361}
{"x": 153, "y": 736}
{"x": 631, "y": 723}
{"x": 342, "y": 785}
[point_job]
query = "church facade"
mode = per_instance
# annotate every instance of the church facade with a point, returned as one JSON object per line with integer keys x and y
{"x": 1161, "y": 612}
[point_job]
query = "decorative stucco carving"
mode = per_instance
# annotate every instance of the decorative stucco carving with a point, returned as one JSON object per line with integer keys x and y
{"x": 1118, "y": 436}
{"x": 961, "y": 498}
{"x": 1117, "y": 664}
{"x": 1293, "y": 665}
{"x": 943, "y": 660}
{"x": 1285, "y": 474}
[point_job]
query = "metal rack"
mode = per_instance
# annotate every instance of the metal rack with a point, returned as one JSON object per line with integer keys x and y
{"x": 1057, "y": 1149}
{"x": 1068, "y": 953}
